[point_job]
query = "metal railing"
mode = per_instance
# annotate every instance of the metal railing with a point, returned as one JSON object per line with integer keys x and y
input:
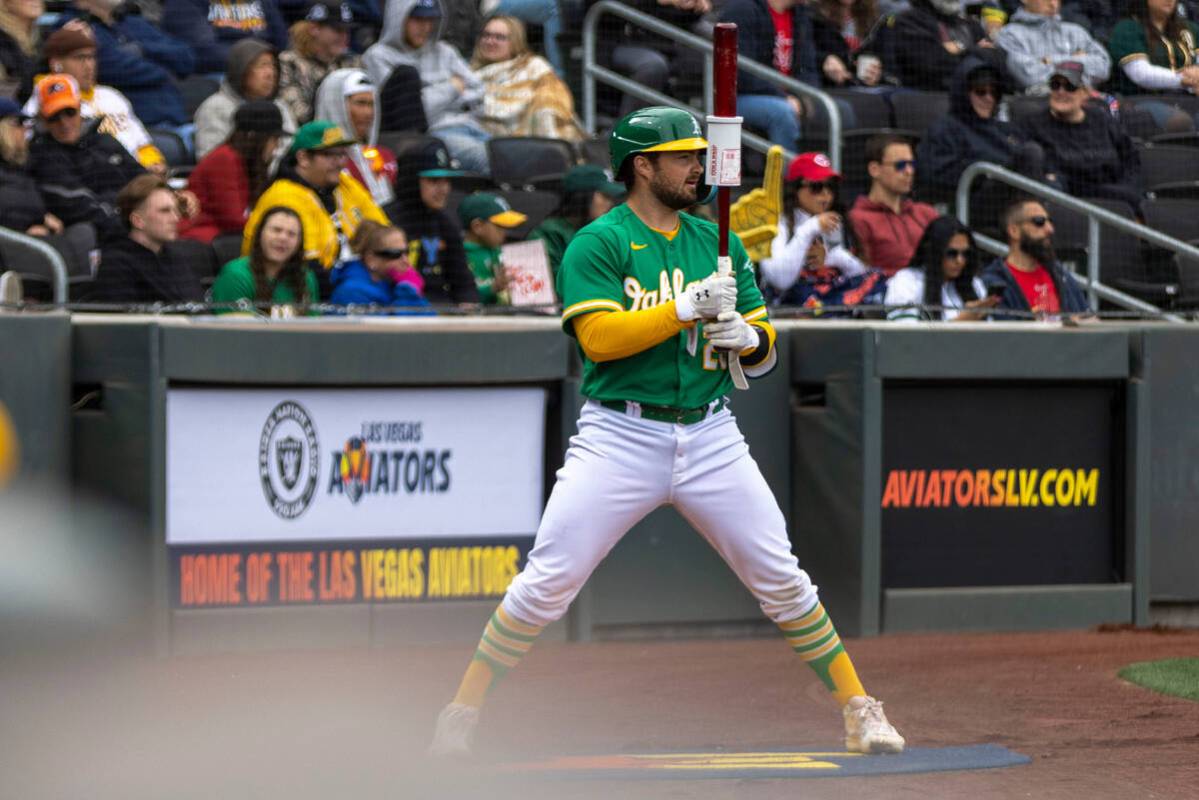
{"x": 58, "y": 266}
{"x": 592, "y": 72}
{"x": 1096, "y": 215}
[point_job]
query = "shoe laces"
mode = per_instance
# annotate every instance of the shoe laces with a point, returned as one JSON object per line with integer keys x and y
{"x": 872, "y": 711}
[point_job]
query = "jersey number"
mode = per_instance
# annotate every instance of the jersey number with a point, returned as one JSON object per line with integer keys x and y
{"x": 713, "y": 361}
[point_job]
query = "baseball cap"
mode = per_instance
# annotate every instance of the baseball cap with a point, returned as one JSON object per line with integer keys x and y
{"x": 490, "y": 207}
{"x": 431, "y": 160}
{"x": 320, "y": 134}
{"x": 811, "y": 167}
{"x": 590, "y": 178}
{"x": 329, "y": 12}
{"x": 56, "y": 92}
{"x": 65, "y": 41}
{"x": 258, "y": 116}
{"x": 9, "y": 108}
{"x": 1071, "y": 71}
{"x": 426, "y": 8}
{"x": 356, "y": 82}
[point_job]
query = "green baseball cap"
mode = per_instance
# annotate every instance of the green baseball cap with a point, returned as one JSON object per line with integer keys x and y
{"x": 481, "y": 205}
{"x": 320, "y": 135}
{"x": 590, "y": 178}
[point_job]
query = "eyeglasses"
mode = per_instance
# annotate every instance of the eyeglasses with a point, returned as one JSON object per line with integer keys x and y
{"x": 983, "y": 91}
{"x": 902, "y": 165}
{"x": 66, "y": 113}
{"x": 499, "y": 37}
{"x": 1038, "y": 221}
{"x": 391, "y": 254}
{"x": 820, "y": 187}
{"x": 1056, "y": 85}
{"x": 952, "y": 252}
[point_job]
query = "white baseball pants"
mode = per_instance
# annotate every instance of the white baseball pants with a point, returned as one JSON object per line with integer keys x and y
{"x": 618, "y": 469}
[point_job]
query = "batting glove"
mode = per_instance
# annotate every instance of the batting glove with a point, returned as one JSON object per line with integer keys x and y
{"x": 706, "y": 298}
{"x": 730, "y": 331}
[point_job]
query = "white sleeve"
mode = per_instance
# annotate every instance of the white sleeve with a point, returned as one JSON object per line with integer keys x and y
{"x": 905, "y": 290}
{"x": 1147, "y": 76}
{"x": 847, "y": 262}
{"x": 786, "y": 260}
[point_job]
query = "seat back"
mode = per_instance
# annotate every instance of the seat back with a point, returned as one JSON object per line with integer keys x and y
{"x": 1168, "y": 164}
{"x": 195, "y": 89}
{"x": 536, "y": 205}
{"x": 172, "y": 147}
{"x": 915, "y": 111}
{"x": 516, "y": 159}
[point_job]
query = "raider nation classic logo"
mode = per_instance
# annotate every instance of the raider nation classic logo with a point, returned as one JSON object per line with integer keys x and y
{"x": 288, "y": 459}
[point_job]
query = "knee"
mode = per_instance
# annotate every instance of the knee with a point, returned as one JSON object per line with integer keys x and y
{"x": 786, "y": 596}
{"x": 541, "y": 595}
{"x": 652, "y": 69}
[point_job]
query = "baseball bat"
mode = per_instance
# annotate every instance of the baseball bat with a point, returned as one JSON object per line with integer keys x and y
{"x": 724, "y": 154}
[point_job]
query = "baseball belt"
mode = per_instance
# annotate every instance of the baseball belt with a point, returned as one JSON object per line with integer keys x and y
{"x": 679, "y": 416}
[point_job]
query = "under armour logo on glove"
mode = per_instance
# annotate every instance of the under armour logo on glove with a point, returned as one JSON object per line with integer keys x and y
{"x": 707, "y": 298}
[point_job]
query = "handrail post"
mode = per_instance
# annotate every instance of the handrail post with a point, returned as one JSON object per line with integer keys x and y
{"x": 709, "y": 78}
{"x": 1093, "y": 260}
{"x": 589, "y": 25}
{"x": 58, "y": 267}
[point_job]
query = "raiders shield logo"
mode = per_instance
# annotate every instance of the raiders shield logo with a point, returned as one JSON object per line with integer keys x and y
{"x": 288, "y": 460}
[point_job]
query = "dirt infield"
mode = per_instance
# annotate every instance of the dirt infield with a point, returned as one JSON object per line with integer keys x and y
{"x": 321, "y": 725}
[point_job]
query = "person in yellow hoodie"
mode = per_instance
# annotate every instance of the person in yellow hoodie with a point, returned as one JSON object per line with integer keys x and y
{"x": 331, "y": 204}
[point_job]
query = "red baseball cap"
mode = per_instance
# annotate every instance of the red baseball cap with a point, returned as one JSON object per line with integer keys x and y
{"x": 811, "y": 167}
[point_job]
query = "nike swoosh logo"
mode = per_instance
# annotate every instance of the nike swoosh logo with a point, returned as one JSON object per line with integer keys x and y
{"x": 636, "y": 246}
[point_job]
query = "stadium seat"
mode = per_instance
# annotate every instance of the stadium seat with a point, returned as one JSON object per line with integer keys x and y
{"x": 536, "y": 205}
{"x": 595, "y": 151}
{"x": 1021, "y": 106}
{"x": 195, "y": 90}
{"x": 199, "y": 256}
{"x": 870, "y": 108}
{"x": 172, "y": 147}
{"x": 915, "y": 111}
{"x": 1180, "y": 220}
{"x": 401, "y": 109}
{"x": 1182, "y": 139}
{"x": 227, "y": 247}
{"x": 1170, "y": 169}
{"x": 519, "y": 160}
{"x": 75, "y": 244}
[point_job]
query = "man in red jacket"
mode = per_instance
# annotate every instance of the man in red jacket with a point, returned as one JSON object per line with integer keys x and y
{"x": 887, "y": 224}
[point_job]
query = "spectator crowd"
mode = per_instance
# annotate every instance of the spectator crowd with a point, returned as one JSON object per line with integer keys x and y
{"x": 340, "y": 151}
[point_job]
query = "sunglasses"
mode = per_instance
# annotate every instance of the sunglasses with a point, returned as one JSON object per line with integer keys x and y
{"x": 391, "y": 254}
{"x": 983, "y": 91}
{"x": 953, "y": 252}
{"x": 1038, "y": 221}
{"x": 820, "y": 187}
{"x": 1056, "y": 85}
{"x": 903, "y": 164}
{"x": 66, "y": 113}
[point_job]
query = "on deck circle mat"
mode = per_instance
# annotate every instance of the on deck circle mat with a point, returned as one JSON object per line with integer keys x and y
{"x": 771, "y": 764}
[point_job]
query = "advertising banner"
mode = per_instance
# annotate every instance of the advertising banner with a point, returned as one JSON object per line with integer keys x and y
{"x": 987, "y": 485}
{"x": 279, "y": 496}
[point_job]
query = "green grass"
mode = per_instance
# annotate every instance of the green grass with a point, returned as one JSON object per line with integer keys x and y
{"x": 1174, "y": 676}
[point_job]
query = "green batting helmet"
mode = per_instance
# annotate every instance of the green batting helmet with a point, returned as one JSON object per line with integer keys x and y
{"x": 654, "y": 130}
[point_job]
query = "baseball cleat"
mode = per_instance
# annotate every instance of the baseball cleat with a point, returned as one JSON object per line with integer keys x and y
{"x": 867, "y": 729}
{"x": 455, "y": 730}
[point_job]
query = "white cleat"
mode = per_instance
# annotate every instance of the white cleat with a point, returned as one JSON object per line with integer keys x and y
{"x": 867, "y": 729}
{"x": 455, "y": 730}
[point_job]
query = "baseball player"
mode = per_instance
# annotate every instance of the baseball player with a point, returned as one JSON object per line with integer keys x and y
{"x": 656, "y": 427}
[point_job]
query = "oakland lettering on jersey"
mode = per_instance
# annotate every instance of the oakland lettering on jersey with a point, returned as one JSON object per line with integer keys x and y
{"x": 669, "y": 284}
{"x": 984, "y": 488}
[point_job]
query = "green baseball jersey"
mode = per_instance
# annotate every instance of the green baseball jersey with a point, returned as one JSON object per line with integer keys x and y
{"x": 618, "y": 263}
{"x": 483, "y": 262}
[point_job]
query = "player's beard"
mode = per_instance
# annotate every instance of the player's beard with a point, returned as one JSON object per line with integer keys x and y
{"x": 1039, "y": 249}
{"x": 675, "y": 198}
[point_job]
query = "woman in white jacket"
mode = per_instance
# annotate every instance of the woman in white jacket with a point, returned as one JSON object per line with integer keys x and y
{"x": 799, "y": 273}
{"x": 942, "y": 283}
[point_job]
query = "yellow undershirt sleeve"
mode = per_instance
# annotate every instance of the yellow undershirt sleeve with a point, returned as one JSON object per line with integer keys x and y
{"x": 612, "y": 335}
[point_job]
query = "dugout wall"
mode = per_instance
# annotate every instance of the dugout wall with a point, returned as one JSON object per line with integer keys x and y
{"x": 822, "y": 427}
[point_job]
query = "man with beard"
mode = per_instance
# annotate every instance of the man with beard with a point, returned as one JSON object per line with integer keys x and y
{"x": 1033, "y": 279}
{"x": 638, "y": 286}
